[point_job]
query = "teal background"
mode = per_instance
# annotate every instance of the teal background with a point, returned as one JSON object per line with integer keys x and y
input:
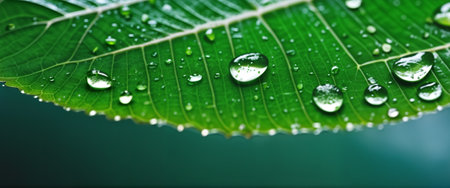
{"x": 41, "y": 144}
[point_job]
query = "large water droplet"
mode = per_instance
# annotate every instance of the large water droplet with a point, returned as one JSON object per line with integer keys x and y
{"x": 125, "y": 97}
{"x": 328, "y": 97}
{"x": 386, "y": 48}
{"x": 442, "y": 15}
{"x": 248, "y": 67}
{"x": 98, "y": 80}
{"x": 415, "y": 67}
{"x": 353, "y": 4}
{"x": 429, "y": 91}
{"x": 210, "y": 36}
{"x": 110, "y": 41}
{"x": 393, "y": 112}
{"x": 371, "y": 29}
{"x": 375, "y": 94}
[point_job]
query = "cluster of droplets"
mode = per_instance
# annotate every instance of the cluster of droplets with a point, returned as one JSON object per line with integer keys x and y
{"x": 246, "y": 68}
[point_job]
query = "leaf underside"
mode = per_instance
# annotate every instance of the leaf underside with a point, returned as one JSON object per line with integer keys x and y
{"x": 50, "y": 50}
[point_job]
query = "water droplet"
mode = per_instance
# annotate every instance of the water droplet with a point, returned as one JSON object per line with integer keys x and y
{"x": 414, "y": 68}
{"x": 125, "y": 97}
{"x": 429, "y": 91}
{"x": 188, "y": 107}
{"x": 94, "y": 51}
{"x": 393, "y": 112}
{"x": 10, "y": 27}
{"x": 334, "y": 70}
{"x": 209, "y": 35}
{"x": 255, "y": 97}
{"x": 194, "y": 78}
{"x": 152, "y": 65}
{"x": 110, "y": 41}
{"x": 300, "y": 86}
{"x": 152, "y": 23}
{"x": 426, "y": 35}
{"x": 188, "y": 51}
{"x": 154, "y": 54}
{"x": 248, "y": 67}
{"x": 98, "y": 80}
{"x": 376, "y": 52}
{"x": 290, "y": 52}
{"x": 328, "y": 97}
{"x": 145, "y": 18}
{"x": 371, "y": 29}
{"x": 141, "y": 87}
{"x": 386, "y": 48}
{"x": 375, "y": 94}
{"x": 265, "y": 38}
{"x": 125, "y": 12}
{"x": 217, "y": 75}
{"x": 166, "y": 7}
{"x": 353, "y": 4}
{"x": 168, "y": 61}
{"x": 442, "y": 15}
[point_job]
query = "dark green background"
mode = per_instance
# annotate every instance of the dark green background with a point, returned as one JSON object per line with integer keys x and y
{"x": 42, "y": 144}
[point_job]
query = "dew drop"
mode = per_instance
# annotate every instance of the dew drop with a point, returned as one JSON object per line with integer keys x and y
{"x": 125, "y": 12}
{"x": 188, "y": 50}
{"x": 217, "y": 75}
{"x": 375, "y": 95}
{"x": 429, "y": 91}
{"x": 98, "y": 80}
{"x": 291, "y": 52}
{"x": 376, "y": 52}
{"x": 386, "y": 48}
{"x": 145, "y": 18}
{"x": 414, "y": 68}
{"x": 152, "y": 23}
{"x": 442, "y": 15}
{"x": 10, "y": 27}
{"x": 426, "y": 35}
{"x": 209, "y": 35}
{"x": 194, "y": 78}
{"x": 125, "y": 97}
{"x": 328, "y": 97}
{"x": 300, "y": 86}
{"x": 141, "y": 87}
{"x": 248, "y": 67}
{"x": 94, "y": 51}
{"x": 188, "y": 107}
{"x": 168, "y": 61}
{"x": 152, "y": 65}
{"x": 393, "y": 112}
{"x": 353, "y": 4}
{"x": 371, "y": 29}
{"x": 110, "y": 41}
{"x": 334, "y": 70}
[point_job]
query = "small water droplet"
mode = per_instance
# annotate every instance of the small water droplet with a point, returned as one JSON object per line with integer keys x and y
{"x": 125, "y": 11}
{"x": 375, "y": 95}
{"x": 10, "y": 27}
{"x": 255, "y": 97}
{"x": 290, "y": 52}
{"x": 209, "y": 35}
{"x": 429, "y": 91}
{"x": 168, "y": 61}
{"x": 353, "y": 4}
{"x": 188, "y": 50}
{"x": 152, "y": 65}
{"x": 141, "y": 87}
{"x": 426, "y": 35}
{"x": 125, "y": 97}
{"x": 248, "y": 67}
{"x": 442, "y": 15}
{"x": 371, "y": 29}
{"x": 265, "y": 38}
{"x": 98, "y": 80}
{"x": 217, "y": 75}
{"x": 145, "y": 18}
{"x": 334, "y": 70}
{"x": 152, "y": 23}
{"x": 415, "y": 67}
{"x": 376, "y": 52}
{"x": 300, "y": 86}
{"x": 188, "y": 107}
{"x": 386, "y": 48}
{"x": 110, "y": 41}
{"x": 328, "y": 97}
{"x": 194, "y": 78}
{"x": 393, "y": 112}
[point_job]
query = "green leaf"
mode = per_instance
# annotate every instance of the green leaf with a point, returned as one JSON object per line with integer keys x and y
{"x": 151, "y": 48}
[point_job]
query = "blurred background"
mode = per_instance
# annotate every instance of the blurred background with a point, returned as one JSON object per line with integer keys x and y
{"x": 41, "y": 144}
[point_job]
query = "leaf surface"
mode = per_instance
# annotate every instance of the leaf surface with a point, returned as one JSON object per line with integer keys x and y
{"x": 49, "y": 46}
